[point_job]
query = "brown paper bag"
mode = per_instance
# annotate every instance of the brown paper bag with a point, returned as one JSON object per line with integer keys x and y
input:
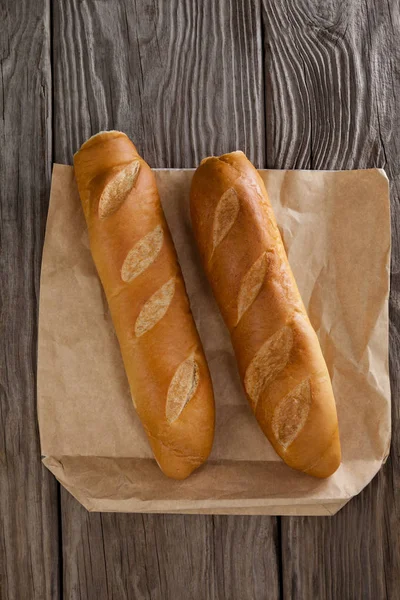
{"x": 336, "y": 228}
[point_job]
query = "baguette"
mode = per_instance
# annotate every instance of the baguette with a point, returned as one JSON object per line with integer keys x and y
{"x": 138, "y": 267}
{"x": 280, "y": 360}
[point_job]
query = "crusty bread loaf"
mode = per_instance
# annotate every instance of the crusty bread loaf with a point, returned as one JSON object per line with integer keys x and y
{"x": 280, "y": 360}
{"x": 137, "y": 264}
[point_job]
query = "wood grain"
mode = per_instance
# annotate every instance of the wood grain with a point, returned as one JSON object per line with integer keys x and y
{"x": 332, "y": 102}
{"x": 28, "y": 493}
{"x": 167, "y": 557}
{"x": 183, "y": 79}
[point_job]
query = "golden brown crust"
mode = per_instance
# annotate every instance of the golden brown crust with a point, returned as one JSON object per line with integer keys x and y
{"x": 280, "y": 360}
{"x": 137, "y": 264}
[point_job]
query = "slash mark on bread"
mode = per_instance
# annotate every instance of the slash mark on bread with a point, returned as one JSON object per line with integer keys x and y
{"x": 116, "y": 190}
{"x": 251, "y": 284}
{"x": 182, "y": 388}
{"x": 226, "y": 213}
{"x": 269, "y": 361}
{"x": 142, "y": 255}
{"x": 291, "y": 414}
{"x": 155, "y": 308}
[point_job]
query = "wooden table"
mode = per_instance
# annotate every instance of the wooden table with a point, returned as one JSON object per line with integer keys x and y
{"x": 295, "y": 84}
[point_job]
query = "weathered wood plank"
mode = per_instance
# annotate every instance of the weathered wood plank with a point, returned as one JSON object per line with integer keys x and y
{"x": 28, "y": 493}
{"x": 332, "y": 102}
{"x": 184, "y": 80}
{"x": 167, "y": 557}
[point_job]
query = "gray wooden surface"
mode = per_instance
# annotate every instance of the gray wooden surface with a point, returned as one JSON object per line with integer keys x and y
{"x": 295, "y": 84}
{"x": 29, "y": 519}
